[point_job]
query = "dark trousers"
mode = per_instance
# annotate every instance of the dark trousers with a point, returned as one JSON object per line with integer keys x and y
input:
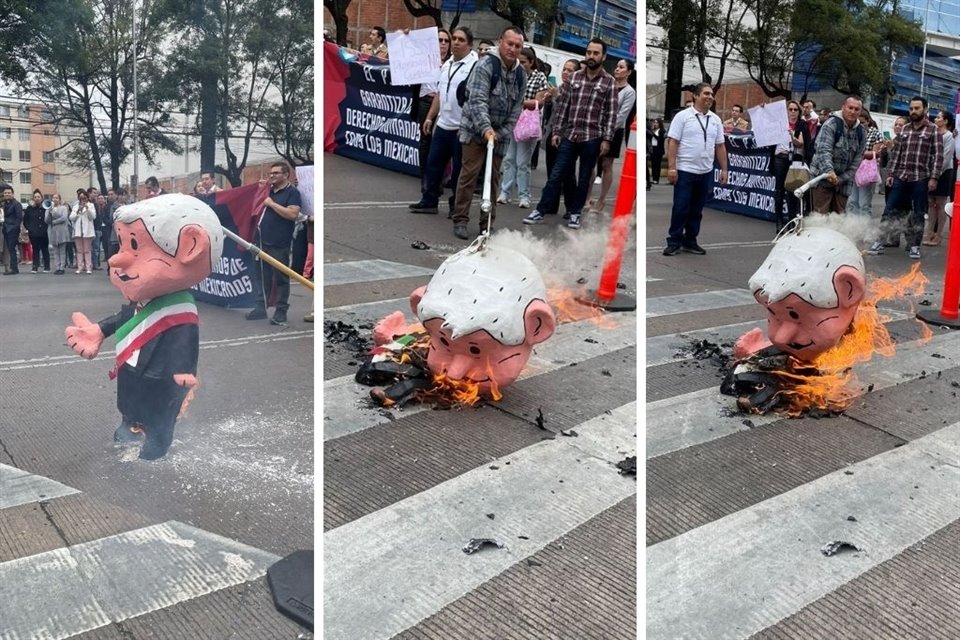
{"x": 265, "y": 278}
{"x": 41, "y": 245}
{"x": 443, "y": 148}
{"x": 781, "y": 164}
{"x": 689, "y": 195}
{"x": 568, "y": 181}
{"x": 95, "y": 248}
{"x": 656, "y": 162}
{"x": 299, "y": 260}
{"x": 424, "y": 146}
{"x": 11, "y": 238}
{"x": 905, "y": 197}
{"x": 567, "y": 155}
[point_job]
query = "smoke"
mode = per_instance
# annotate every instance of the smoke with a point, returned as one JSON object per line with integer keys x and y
{"x": 857, "y": 228}
{"x": 564, "y": 260}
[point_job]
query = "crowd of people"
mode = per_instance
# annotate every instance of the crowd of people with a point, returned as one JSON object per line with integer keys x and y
{"x": 915, "y": 165}
{"x": 500, "y": 92}
{"x": 59, "y": 235}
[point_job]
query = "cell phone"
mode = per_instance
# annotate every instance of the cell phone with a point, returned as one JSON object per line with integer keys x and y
{"x": 887, "y": 136}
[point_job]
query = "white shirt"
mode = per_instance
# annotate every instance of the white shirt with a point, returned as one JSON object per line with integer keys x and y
{"x": 698, "y": 135}
{"x": 452, "y": 73}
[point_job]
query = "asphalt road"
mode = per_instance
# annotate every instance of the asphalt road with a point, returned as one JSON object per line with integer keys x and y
{"x": 739, "y": 507}
{"x": 404, "y": 490}
{"x": 171, "y": 548}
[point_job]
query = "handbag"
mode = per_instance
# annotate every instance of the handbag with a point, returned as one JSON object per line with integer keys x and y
{"x": 528, "y": 126}
{"x": 867, "y": 173}
{"x": 797, "y": 175}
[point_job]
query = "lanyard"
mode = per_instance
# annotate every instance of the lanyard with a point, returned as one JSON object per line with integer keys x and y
{"x": 702, "y": 126}
{"x": 450, "y": 73}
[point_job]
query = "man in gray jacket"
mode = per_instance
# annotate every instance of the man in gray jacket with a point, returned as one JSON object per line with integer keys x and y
{"x": 839, "y": 150}
{"x": 495, "y": 92}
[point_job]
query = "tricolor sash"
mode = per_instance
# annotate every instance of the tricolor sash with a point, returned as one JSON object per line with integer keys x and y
{"x": 157, "y": 316}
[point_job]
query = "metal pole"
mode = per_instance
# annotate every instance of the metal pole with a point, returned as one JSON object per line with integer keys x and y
{"x": 593, "y": 24}
{"x": 133, "y": 122}
{"x": 923, "y": 63}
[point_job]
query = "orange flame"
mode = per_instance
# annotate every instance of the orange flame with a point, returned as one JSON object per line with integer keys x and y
{"x": 450, "y": 392}
{"x": 835, "y": 387}
{"x": 568, "y": 309}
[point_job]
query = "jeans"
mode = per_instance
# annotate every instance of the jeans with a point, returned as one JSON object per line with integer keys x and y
{"x": 904, "y": 197}
{"x": 516, "y": 168}
{"x": 569, "y": 181}
{"x": 689, "y": 195}
{"x": 265, "y": 277}
{"x": 861, "y": 200}
{"x": 443, "y": 148}
{"x": 567, "y": 155}
{"x": 95, "y": 249}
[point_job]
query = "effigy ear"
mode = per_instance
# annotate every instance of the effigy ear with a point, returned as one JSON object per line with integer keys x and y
{"x": 538, "y": 321}
{"x": 415, "y": 298}
{"x": 850, "y": 286}
{"x": 194, "y": 245}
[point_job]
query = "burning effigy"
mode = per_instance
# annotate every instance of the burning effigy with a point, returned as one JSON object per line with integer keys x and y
{"x": 167, "y": 244}
{"x": 480, "y": 316}
{"x": 822, "y": 319}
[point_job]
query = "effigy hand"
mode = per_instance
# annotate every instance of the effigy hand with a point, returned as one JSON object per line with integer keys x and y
{"x": 83, "y": 336}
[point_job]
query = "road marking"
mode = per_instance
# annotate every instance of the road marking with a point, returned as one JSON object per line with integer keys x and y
{"x": 54, "y": 361}
{"x": 18, "y": 487}
{"x": 652, "y": 279}
{"x": 347, "y": 407}
{"x": 366, "y": 204}
{"x": 704, "y": 301}
{"x": 337, "y": 273}
{"x": 722, "y": 245}
{"x": 395, "y": 567}
{"x": 62, "y": 593}
{"x": 701, "y": 416}
{"x": 715, "y": 582}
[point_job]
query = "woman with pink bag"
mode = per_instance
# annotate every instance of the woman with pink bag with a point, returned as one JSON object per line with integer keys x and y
{"x": 868, "y": 173}
{"x": 516, "y": 161}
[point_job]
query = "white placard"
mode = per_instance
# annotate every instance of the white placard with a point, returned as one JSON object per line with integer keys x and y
{"x": 414, "y": 57}
{"x": 769, "y": 123}
{"x": 305, "y": 187}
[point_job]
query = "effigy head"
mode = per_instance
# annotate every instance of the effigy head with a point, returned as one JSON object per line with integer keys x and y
{"x": 167, "y": 243}
{"x": 484, "y": 309}
{"x": 811, "y": 284}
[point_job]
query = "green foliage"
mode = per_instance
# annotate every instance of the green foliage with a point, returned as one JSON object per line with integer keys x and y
{"x": 524, "y": 13}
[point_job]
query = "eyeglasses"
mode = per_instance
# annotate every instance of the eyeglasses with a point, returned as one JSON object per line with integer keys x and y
{"x": 444, "y": 40}
{"x": 792, "y": 109}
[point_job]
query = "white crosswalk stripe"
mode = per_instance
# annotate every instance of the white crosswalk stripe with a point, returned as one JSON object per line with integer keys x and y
{"x": 394, "y": 567}
{"x": 748, "y": 571}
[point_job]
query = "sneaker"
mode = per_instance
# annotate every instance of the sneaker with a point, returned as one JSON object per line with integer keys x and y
{"x": 524, "y": 203}
{"x": 279, "y": 318}
{"x": 876, "y": 249}
{"x": 308, "y": 317}
{"x": 460, "y": 230}
{"x": 535, "y": 217}
{"x": 257, "y": 313}
{"x": 914, "y": 253}
{"x": 33, "y": 271}
{"x": 423, "y": 207}
{"x": 574, "y": 221}
{"x": 694, "y": 248}
{"x": 89, "y": 272}
{"x": 671, "y": 250}
{"x": 598, "y": 180}
{"x": 503, "y": 199}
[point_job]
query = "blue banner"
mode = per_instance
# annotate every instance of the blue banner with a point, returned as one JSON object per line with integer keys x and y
{"x": 750, "y": 184}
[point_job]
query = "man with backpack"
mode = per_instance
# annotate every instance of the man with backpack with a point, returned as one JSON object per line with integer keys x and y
{"x": 494, "y": 96}
{"x": 446, "y": 112}
{"x": 838, "y": 152}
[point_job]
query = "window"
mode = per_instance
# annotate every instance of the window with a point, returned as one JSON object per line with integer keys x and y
{"x": 24, "y": 134}
{"x": 25, "y": 177}
{"x": 24, "y": 156}
{"x": 48, "y": 156}
{"x": 49, "y": 178}
{"x": 23, "y": 113}
{"x": 26, "y": 198}
{"x": 6, "y": 176}
{"x": 6, "y": 133}
{"x": 4, "y": 110}
{"x": 6, "y": 154}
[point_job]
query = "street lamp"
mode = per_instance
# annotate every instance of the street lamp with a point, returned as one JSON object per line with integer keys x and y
{"x": 923, "y": 63}
{"x": 133, "y": 122}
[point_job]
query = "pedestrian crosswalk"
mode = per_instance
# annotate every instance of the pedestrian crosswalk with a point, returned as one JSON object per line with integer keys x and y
{"x": 739, "y": 507}
{"x": 120, "y": 578}
{"x": 405, "y": 490}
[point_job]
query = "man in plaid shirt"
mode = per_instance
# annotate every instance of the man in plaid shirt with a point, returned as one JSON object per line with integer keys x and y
{"x": 912, "y": 173}
{"x": 586, "y": 114}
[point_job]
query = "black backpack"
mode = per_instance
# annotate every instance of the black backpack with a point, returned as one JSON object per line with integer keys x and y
{"x": 462, "y": 95}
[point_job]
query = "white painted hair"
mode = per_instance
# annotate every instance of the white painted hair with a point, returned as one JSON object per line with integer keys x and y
{"x": 489, "y": 289}
{"x": 166, "y": 215}
{"x": 805, "y": 263}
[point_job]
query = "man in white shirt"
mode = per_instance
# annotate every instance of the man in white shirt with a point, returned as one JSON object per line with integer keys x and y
{"x": 445, "y": 145}
{"x": 694, "y": 140}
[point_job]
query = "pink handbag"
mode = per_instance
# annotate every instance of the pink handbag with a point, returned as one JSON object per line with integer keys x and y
{"x": 867, "y": 173}
{"x": 528, "y": 126}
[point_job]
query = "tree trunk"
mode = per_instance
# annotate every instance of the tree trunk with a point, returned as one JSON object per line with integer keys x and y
{"x": 208, "y": 121}
{"x": 675, "y": 57}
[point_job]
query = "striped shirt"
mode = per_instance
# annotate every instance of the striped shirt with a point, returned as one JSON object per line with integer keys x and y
{"x": 587, "y": 109}
{"x": 918, "y": 154}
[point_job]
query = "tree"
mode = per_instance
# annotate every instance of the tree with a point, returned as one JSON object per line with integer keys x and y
{"x": 425, "y": 9}
{"x": 524, "y": 13}
{"x": 78, "y": 63}
{"x": 768, "y": 47}
{"x": 338, "y": 11}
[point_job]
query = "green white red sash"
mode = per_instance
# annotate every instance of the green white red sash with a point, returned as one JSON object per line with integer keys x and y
{"x": 146, "y": 324}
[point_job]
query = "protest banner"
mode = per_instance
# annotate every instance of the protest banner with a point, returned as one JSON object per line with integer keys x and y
{"x": 414, "y": 56}
{"x": 366, "y": 118}
{"x": 750, "y": 184}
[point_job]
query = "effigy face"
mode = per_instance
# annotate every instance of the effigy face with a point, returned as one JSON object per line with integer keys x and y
{"x": 484, "y": 310}
{"x": 811, "y": 284}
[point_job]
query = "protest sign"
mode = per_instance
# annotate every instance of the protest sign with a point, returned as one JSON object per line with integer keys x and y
{"x": 414, "y": 56}
{"x": 305, "y": 187}
{"x": 750, "y": 184}
{"x": 769, "y": 123}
